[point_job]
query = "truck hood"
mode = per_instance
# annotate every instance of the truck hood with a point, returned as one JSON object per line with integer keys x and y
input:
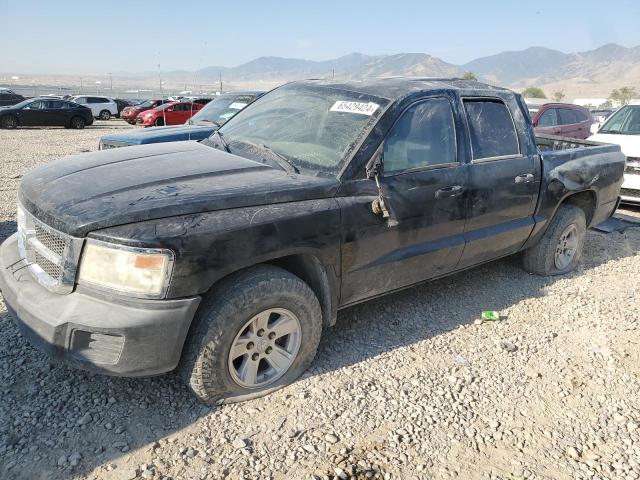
{"x": 629, "y": 144}
{"x": 113, "y": 187}
{"x": 173, "y": 133}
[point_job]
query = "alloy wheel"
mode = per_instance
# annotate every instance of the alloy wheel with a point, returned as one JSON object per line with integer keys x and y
{"x": 567, "y": 247}
{"x": 265, "y": 348}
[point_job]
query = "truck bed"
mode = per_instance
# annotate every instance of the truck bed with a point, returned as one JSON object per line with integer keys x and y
{"x": 555, "y": 142}
{"x": 582, "y": 165}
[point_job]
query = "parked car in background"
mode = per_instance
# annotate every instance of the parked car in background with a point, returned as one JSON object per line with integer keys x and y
{"x": 9, "y": 97}
{"x": 563, "y": 119}
{"x": 129, "y": 114}
{"x": 121, "y": 104}
{"x": 600, "y": 115}
{"x": 197, "y": 128}
{"x": 45, "y": 112}
{"x": 174, "y": 113}
{"x": 227, "y": 258}
{"x": 623, "y": 128}
{"x": 102, "y": 107}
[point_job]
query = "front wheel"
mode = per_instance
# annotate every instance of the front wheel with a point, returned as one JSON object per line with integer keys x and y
{"x": 78, "y": 123}
{"x": 9, "y": 122}
{"x": 159, "y": 122}
{"x": 560, "y": 248}
{"x": 254, "y": 334}
{"x": 105, "y": 115}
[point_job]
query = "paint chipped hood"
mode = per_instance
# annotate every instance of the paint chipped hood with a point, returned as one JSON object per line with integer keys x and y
{"x": 91, "y": 191}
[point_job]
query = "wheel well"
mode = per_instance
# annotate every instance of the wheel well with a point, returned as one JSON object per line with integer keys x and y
{"x": 311, "y": 271}
{"x": 11, "y": 115}
{"x": 584, "y": 200}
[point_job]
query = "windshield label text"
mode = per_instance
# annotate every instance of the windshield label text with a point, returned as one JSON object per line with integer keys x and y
{"x": 355, "y": 107}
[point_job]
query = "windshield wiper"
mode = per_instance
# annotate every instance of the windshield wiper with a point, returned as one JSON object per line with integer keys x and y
{"x": 280, "y": 159}
{"x": 222, "y": 141}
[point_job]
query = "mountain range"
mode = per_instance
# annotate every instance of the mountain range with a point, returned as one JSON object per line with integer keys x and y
{"x": 535, "y": 65}
{"x": 592, "y": 73}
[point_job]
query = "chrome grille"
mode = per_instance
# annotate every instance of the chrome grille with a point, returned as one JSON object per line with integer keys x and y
{"x": 52, "y": 256}
{"x": 50, "y": 268}
{"x": 629, "y": 192}
{"x": 50, "y": 240}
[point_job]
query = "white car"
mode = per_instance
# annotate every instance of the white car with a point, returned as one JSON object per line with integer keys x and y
{"x": 101, "y": 107}
{"x": 623, "y": 128}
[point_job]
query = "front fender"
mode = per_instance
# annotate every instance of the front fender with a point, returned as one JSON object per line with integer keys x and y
{"x": 211, "y": 245}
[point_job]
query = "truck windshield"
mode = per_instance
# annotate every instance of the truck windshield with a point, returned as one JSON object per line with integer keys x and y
{"x": 312, "y": 127}
{"x": 221, "y": 109}
{"x": 625, "y": 121}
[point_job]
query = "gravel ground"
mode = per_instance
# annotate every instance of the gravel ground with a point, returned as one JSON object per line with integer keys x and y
{"x": 412, "y": 385}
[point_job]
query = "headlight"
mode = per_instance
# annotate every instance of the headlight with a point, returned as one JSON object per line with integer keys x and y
{"x": 141, "y": 272}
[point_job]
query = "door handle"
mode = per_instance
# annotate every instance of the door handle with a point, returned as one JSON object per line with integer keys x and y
{"x": 452, "y": 191}
{"x": 524, "y": 178}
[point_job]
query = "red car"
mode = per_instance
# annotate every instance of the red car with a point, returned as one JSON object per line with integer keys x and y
{"x": 175, "y": 113}
{"x": 563, "y": 119}
{"x": 130, "y": 113}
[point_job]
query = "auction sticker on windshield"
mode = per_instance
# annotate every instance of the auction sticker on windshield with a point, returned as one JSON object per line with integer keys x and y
{"x": 354, "y": 107}
{"x": 237, "y": 106}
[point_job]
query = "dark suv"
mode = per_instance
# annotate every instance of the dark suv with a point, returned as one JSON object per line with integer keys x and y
{"x": 9, "y": 97}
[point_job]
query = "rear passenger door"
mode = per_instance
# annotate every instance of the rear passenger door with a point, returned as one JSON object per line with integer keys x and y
{"x": 569, "y": 122}
{"x": 425, "y": 181}
{"x": 54, "y": 113}
{"x": 503, "y": 184}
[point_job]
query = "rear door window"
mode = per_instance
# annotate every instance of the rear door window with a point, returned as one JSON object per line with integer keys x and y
{"x": 568, "y": 116}
{"x": 491, "y": 129}
{"x": 424, "y": 136}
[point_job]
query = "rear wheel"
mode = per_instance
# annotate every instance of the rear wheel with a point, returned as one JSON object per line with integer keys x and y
{"x": 560, "y": 248}
{"x": 78, "y": 123}
{"x": 105, "y": 115}
{"x": 9, "y": 122}
{"x": 254, "y": 334}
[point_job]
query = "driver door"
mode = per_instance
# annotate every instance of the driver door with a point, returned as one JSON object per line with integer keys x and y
{"x": 424, "y": 183}
{"x": 31, "y": 114}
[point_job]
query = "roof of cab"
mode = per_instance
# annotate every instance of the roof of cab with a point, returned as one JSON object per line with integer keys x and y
{"x": 396, "y": 87}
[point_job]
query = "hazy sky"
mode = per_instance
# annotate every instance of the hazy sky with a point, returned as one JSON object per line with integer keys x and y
{"x": 112, "y": 35}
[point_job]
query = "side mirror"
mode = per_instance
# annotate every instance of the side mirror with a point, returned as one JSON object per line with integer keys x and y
{"x": 375, "y": 165}
{"x": 595, "y": 127}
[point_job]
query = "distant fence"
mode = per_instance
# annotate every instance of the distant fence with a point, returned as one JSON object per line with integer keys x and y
{"x": 121, "y": 92}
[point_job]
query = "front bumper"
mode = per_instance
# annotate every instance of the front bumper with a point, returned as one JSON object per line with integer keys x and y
{"x": 125, "y": 337}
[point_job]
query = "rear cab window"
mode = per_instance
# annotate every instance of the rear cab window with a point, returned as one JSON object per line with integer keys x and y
{"x": 492, "y": 131}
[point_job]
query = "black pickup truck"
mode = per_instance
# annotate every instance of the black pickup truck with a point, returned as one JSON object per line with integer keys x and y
{"x": 227, "y": 258}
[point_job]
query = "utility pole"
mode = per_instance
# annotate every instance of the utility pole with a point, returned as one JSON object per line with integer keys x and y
{"x": 110, "y": 83}
{"x": 80, "y": 85}
{"x": 160, "y": 79}
{"x": 333, "y": 74}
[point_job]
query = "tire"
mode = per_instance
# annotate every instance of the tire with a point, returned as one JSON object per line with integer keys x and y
{"x": 77, "y": 123}
{"x": 104, "y": 115}
{"x": 222, "y": 318}
{"x": 545, "y": 258}
{"x": 159, "y": 122}
{"x": 9, "y": 122}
